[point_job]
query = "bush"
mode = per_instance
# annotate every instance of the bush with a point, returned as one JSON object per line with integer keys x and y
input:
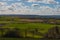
{"x": 53, "y": 32}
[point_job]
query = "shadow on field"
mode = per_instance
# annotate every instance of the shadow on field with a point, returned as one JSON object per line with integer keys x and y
{"x": 14, "y": 33}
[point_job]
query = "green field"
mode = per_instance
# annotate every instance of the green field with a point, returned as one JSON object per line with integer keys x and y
{"x": 42, "y": 27}
{"x": 29, "y": 27}
{"x": 25, "y": 39}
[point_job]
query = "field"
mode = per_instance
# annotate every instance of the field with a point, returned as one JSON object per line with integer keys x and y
{"x": 26, "y": 28}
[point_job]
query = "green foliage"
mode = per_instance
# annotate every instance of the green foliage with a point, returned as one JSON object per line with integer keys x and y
{"x": 53, "y": 33}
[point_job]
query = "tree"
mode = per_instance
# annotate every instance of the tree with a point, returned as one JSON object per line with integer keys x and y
{"x": 53, "y": 32}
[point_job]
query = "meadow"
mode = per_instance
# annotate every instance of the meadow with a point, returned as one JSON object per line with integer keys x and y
{"x": 26, "y": 28}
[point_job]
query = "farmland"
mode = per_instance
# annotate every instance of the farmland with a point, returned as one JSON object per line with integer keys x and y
{"x": 30, "y": 28}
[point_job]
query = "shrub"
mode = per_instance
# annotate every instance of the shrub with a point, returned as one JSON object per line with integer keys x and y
{"x": 53, "y": 32}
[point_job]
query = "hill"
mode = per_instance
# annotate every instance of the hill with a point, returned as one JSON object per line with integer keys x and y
{"x": 35, "y": 16}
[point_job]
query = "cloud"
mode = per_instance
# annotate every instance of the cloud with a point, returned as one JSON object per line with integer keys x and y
{"x": 3, "y": 6}
{"x": 44, "y": 1}
{"x": 34, "y": 5}
{"x": 20, "y": 8}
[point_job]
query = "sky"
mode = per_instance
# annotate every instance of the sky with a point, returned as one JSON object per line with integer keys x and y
{"x": 30, "y": 7}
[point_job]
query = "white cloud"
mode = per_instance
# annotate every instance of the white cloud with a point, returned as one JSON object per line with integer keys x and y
{"x": 20, "y": 8}
{"x": 3, "y": 5}
{"x": 34, "y": 5}
{"x": 44, "y": 1}
{"x": 32, "y": 0}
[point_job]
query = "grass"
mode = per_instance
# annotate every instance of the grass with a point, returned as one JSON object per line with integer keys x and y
{"x": 29, "y": 25}
{"x": 26, "y": 39}
{"x": 43, "y": 27}
{"x": 19, "y": 39}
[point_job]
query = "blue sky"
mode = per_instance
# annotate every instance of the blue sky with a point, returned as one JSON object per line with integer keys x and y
{"x": 30, "y": 7}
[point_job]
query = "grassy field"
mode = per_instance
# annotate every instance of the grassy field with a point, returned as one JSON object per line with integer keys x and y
{"x": 23, "y": 39}
{"x": 41, "y": 26}
{"x": 12, "y": 23}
